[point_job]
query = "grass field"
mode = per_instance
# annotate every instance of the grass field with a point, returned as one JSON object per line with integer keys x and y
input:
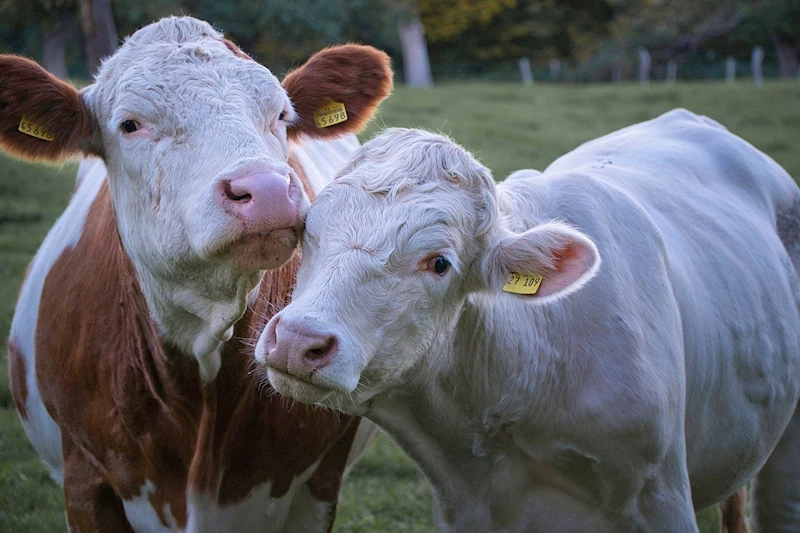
{"x": 507, "y": 126}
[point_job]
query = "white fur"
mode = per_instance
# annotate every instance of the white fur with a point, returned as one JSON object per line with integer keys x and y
{"x": 321, "y": 159}
{"x": 660, "y": 386}
{"x": 295, "y": 511}
{"x": 39, "y": 426}
{"x": 141, "y": 515}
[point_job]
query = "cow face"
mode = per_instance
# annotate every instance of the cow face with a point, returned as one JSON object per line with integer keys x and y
{"x": 391, "y": 251}
{"x": 195, "y": 140}
{"x": 195, "y": 137}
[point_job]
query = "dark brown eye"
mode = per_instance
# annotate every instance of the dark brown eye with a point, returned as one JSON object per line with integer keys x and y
{"x": 282, "y": 115}
{"x": 440, "y": 264}
{"x": 129, "y": 126}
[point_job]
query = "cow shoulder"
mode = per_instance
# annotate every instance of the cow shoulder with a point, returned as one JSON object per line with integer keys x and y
{"x": 103, "y": 372}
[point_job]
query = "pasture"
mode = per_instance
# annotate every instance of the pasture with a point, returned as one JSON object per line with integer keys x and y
{"x": 507, "y": 126}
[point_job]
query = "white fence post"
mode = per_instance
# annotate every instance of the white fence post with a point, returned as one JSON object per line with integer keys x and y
{"x": 525, "y": 71}
{"x": 730, "y": 69}
{"x": 555, "y": 69}
{"x": 672, "y": 71}
{"x": 755, "y": 64}
{"x": 644, "y": 65}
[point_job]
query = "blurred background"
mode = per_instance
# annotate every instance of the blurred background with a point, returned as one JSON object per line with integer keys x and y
{"x": 517, "y": 82}
{"x": 439, "y": 40}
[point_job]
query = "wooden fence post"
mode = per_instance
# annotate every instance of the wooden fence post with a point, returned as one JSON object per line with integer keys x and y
{"x": 416, "y": 65}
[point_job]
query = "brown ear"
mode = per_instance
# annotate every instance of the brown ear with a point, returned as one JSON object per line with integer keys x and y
{"x": 52, "y": 108}
{"x": 358, "y": 76}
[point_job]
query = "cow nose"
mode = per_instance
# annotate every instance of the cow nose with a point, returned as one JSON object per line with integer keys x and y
{"x": 263, "y": 200}
{"x": 296, "y": 348}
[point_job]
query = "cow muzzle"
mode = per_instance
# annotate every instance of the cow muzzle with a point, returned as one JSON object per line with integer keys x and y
{"x": 303, "y": 361}
{"x": 267, "y": 206}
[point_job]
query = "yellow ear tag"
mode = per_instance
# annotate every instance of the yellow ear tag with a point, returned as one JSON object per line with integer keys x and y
{"x": 523, "y": 283}
{"x": 34, "y": 130}
{"x": 330, "y": 114}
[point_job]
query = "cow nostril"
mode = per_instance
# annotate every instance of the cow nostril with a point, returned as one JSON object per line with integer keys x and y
{"x": 328, "y": 348}
{"x": 243, "y": 198}
{"x": 270, "y": 334}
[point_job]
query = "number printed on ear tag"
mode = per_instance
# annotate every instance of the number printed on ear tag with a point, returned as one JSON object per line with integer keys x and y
{"x": 34, "y": 130}
{"x": 330, "y": 114}
{"x": 523, "y": 283}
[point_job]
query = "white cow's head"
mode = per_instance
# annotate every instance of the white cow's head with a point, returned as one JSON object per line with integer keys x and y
{"x": 392, "y": 249}
{"x": 195, "y": 137}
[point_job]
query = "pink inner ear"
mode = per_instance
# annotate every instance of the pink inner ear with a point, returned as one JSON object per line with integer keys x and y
{"x": 571, "y": 262}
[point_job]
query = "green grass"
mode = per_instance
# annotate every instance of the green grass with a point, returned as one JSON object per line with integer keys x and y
{"x": 507, "y": 126}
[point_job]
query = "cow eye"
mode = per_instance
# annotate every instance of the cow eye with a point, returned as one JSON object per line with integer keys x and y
{"x": 439, "y": 264}
{"x": 282, "y": 115}
{"x": 129, "y": 126}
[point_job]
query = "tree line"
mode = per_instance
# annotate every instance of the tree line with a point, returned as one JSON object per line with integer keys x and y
{"x": 599, "y": 38}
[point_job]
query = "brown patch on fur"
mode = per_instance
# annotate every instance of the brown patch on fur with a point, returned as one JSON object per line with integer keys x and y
{"x": 238, "y": 52}
{"x": 131, "y": 409}
{"x": 17, "y": 380}
{"x": 26, "y": 89}
{"x": 733, "y": 512}
{"x": 126, "y": 410}
{"x": 358, "y": 76}
{"x": 295, "y": 164}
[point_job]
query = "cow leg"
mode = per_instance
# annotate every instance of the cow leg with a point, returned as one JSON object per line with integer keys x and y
{"x": 733, "y": 512}
{"x": 776, "y": 489}
{"x": 92, "y": 505}
{"x": 665, "y": 501}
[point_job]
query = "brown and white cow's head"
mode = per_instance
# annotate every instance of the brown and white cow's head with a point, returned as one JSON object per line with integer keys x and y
{"x": 391, "y": 251}
{"x": 195, "y": 137}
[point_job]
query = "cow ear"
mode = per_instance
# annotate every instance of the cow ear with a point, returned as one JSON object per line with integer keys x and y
{"x": 562, "y": 257}
{"x": 41, "y": 117}
{"x": 359, "y": 77}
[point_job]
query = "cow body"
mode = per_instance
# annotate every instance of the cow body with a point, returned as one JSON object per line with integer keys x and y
{"x": 129, "y": 356}
{"x": 623, "y": 395}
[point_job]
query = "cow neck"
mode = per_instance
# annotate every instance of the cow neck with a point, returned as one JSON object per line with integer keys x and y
{"x": 111, "y": 335}
{"x": 452, "y": 430}
{"x": 197, "y": 314}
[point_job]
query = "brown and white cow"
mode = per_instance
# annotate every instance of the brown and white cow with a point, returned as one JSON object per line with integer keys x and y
{"x": 128, "y": 353}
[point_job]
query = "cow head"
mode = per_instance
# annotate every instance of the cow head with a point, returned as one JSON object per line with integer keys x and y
{"x": 195, "y": 137}
{"x": 391, "y": 251}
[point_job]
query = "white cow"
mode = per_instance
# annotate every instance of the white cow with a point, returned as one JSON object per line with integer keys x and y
{"x": 622, "y": 396}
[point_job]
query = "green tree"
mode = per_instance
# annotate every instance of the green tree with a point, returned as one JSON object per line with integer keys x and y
{"x": 475, "y": 30}
{"x": 47, "y": 37}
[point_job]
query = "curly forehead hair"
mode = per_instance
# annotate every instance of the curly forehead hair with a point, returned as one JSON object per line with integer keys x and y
{"x": 174, "y": 30}
{"x": 400, "y": 161}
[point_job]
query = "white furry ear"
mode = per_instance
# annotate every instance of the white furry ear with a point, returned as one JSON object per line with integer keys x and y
{"x": 564, "y": 257}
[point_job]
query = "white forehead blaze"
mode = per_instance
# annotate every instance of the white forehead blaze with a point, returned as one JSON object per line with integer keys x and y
{"x": 178, "y": 74}
{"x": 200, "y": 112}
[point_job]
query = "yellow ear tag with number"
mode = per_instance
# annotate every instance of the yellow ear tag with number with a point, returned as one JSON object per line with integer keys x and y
{"x": 330, "y": 114}
{"x": 34, "y": 130}
{"x": 523, "y": 283}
